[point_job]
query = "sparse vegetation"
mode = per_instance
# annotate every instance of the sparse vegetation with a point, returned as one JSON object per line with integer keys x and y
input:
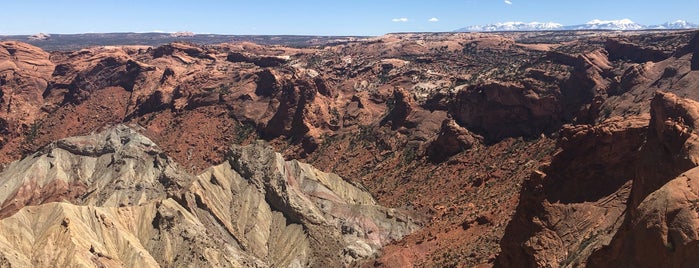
{"x": 224, "y": 89}
{"x": 33, "y": 132}
{"x": 243, "y": 131}
{"x": 334, "y": 116}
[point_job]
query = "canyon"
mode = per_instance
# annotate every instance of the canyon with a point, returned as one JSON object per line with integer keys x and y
{"x": 522, "y": 149}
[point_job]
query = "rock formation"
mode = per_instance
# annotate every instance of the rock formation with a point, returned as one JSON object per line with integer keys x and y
{"x": 25, "y": 71}
{"x": 618, "y": 194}
{"x": 507, "y": 110}
{"x": 452, "y": 139}
{"x": 445, "y": 125}
{"x": 115, "y": 199}
{"x": 660, "y": 227}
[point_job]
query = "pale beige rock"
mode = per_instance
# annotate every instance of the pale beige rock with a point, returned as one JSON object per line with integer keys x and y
{"x": 124, "y": 203}
{"x": 329, "y": 206}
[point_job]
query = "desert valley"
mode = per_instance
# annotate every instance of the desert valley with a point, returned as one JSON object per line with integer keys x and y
{"x": 505, "y": 149}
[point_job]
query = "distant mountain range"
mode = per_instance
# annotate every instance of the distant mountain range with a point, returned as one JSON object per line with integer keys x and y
{"x": 618, "y": 25}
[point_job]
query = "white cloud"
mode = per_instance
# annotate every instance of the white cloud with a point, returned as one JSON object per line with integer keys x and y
{"x": 433, "y": 20}
{"x": 508, "y": 2}
{"x": 400, "y": 20}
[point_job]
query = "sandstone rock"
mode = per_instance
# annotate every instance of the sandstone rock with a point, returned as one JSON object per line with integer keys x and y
{"x": 694, "y": 48}
{"x": 589, "y": 82}
{"x": 452, "y": 139}
{"x": 95, "y": 71}
{"x": 632, "y": 77}
{"x": 662, "y": 231}
{"x": 25, "y": 72}
{"x": 184, "y": 52}
{"x": 675, "y": 141}
{"x": 262, "y": 61}
{"x": 403, "y": 106}
{"x": 117, "y": 167}
{"x": 657, "y": 219}
{"x": 267, "y": 83}
{"x": 329, "y": 207}
{"x": 609, "y": 198}
{"x": 621, "y": 49}
{"x": 154, "y": 234}
{"x": 499, "y": 110}
{"x": 570, "y": 207}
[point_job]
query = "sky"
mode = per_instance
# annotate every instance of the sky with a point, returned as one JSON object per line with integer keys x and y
{"x": 314, "y": 17}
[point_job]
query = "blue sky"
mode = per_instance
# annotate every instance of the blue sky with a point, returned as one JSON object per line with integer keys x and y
{"x": 314, "y": 17}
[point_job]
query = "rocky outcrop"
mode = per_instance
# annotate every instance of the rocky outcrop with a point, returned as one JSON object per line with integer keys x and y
{"x": 609, "y": 198}
{"x": 452, "y": 139}
{"x": 113, "y": 168}
{"x": 632, "y": 92}
{"x": 333, "y": 221}
{"x": 500, "y": 110}
{"x": 622, "y": 49}
{"x": 160, "y": 233}
{"x": 25, "y": 72}
{"x": 114, "y": 198}
{"x": 587, "y": 86}
{"x": 259, "y": 60}
{"x": 694, "y": 49}
{"x": 183, "y": 51}
{"x": 77, "y": 80}
{"x": 660, "y": 226}
{"x": 569, "y": 207}
{"x": 403, "y": 106}
{"x": 662, "y": 231}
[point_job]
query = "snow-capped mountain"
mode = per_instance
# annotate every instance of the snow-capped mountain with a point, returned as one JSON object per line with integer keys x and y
{"x": 678, "y": 24}
{"x": 615, "y": 25}
{"x": 514, "y": 26}
{"x": 621, "y": 25}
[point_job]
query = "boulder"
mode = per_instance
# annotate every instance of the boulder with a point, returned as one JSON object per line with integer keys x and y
{"x": 452, "y": 139}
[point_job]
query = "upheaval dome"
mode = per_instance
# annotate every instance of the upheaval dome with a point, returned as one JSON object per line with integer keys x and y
{"x": 560, "y": 149}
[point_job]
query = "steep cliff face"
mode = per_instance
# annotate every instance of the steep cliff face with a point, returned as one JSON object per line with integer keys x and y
{"x": 634, "y": 89}
{"x": 660, "y": 229}
{"x": 570, "y": 206}
{"x": 25, "y": 72}
{"x": 115, "y": 199}
{"x": 598, "y": 202}
{"x": 617, "y": 194}
{"x": 500, "y": 110}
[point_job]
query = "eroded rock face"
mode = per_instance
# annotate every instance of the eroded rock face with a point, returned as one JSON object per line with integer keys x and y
{"x": 452, "y": 139}
{"x": 622, "y": 49}
{"x": 25, "y": 71}
{"x": 661, "y": 219}
{"x": 122, "y": 201}
{"x": 262, "y": 61}
{"x": 694, "y": 48}
{"x": 613, "y": 196}
{"x": 568, "y": 207}
{"x": 340, "y": 219}
{"x": 113, "y": 168}
{"x": 500, "y": 110}
{"x": 662, "y": 231}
